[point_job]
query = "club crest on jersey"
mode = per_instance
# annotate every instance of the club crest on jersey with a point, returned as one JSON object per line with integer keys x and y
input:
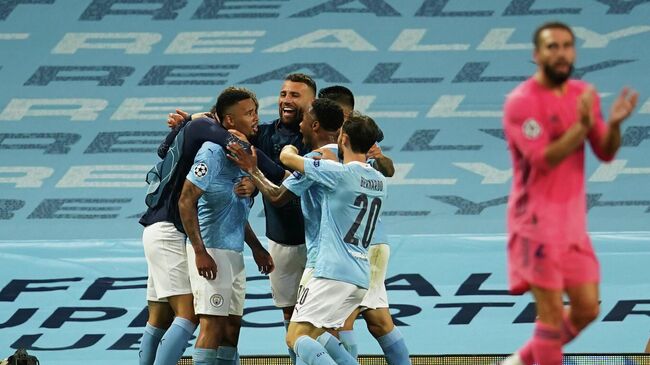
{"x": 531, "y": 129}
{"x": 200, "y": 170}
{"x": 216, "y": 300}
{"x": 316, "y": 163}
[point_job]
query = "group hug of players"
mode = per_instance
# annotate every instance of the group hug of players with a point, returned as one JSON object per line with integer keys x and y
{"x": 321, "y": 173}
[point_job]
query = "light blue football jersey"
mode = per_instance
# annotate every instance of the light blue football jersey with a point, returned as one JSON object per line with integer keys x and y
{"x": 311, "y": 196}
{"x": 222, "y": 214}
{"x": 351, "y": 204}
{"x": 380, "y": 232}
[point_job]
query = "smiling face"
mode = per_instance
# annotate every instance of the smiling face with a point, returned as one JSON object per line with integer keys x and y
{"x": 294, "y": 96}
{"x": 555, "y": 54}
{"x": 243, "y": 117}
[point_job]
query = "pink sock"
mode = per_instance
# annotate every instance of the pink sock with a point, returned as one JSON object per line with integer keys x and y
{"x": 547, "y": 344}
{"x": 569, "y": 331}
{"x": 526, "y": 353}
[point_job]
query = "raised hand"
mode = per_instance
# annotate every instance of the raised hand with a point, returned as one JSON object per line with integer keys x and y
{"x": 176, "y": 119}
{"x": 246, "y": 161}
{"x": 374, "y": 152}
{"x": 623, "y": 106}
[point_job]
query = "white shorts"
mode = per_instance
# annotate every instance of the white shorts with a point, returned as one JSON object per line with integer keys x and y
{"x": 289, "y": 263}
{"x": 164, "y": 249}
{"x": 376, "y": 296}
{"x": 325, "y": 303}
{"x": 224, "y": 295}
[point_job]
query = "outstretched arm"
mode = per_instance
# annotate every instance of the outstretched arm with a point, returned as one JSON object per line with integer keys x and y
{"x": 277, "y": 195}
{"x": 290, "y": 158}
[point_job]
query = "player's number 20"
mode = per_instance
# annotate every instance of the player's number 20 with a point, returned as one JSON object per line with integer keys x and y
{"x": 373, "y": 213}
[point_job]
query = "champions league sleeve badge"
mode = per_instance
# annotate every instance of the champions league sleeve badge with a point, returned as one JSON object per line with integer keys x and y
{"x": 531, "y": 129}
{"x": 200, "y": 170}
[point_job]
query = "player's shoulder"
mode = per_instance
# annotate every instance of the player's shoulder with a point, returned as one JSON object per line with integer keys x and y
{"x": 210, "y": 149}
{"x": 201, "y": 122}
{"x": 577, "y": 85}
{"x": 199, "y": 128}
{"x": 523, "y": 92}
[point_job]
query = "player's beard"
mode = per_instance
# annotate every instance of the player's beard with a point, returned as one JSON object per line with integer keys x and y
{"x": 557, "y": 78}
{"x": 295, "y": 121}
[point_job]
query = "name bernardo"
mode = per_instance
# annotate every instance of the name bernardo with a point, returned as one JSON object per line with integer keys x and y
{"x": 377, "y": 185}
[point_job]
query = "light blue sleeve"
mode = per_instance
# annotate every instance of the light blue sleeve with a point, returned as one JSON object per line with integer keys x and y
{"x": 297, "y": 183}
{"x": 324, "y": 172}
{"x": 207, "y": 165}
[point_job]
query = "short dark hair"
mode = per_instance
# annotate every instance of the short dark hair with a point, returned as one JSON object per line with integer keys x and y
{"x": 229, "y": 97}
{"x": 550, "y": 25}
{"x": 339, "y": 94}
{"x": 362, "y": 130}
{"x": 302, "y": 78}
{"x": 328, "y": 113}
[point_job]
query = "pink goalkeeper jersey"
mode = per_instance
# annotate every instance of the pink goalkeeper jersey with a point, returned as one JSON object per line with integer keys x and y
{"x": 547, "y": 203}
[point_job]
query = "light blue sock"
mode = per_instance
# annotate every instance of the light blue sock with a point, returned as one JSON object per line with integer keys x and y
{"x": 173, "y": 343}
{"x": 226, "y": 355}
{"x": 349, "y": 341}
{"x": 394, "y": 348}
{"x": 292, "y": 354}
{"x": 149, "y": 344}
{"x": 312, "y": 352}
{"x": 336, "y": 350}
{"x": 204, "y": 356}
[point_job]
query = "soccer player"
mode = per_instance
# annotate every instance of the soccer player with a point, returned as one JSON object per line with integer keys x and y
{"x": 169, "y": 295}
{"x": 352, "y": 200}
{"x": 215, "y": 219}
{"x": 547, "y": 120}
{"x": 374, "y": 307}
{"x": 285, "y": 225}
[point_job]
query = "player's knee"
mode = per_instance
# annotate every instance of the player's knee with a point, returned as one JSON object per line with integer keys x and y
{"x": 582, "y": 317}
{"x": 380, "y": 328}
{"x": 190, "y": 316}
{"x": 290, "y": 340}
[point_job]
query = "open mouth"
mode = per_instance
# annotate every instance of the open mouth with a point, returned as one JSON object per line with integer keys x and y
{"x": 288, "y": 112}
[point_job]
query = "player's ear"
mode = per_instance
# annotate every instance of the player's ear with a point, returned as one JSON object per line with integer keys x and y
{"x": 227, "y": 122}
